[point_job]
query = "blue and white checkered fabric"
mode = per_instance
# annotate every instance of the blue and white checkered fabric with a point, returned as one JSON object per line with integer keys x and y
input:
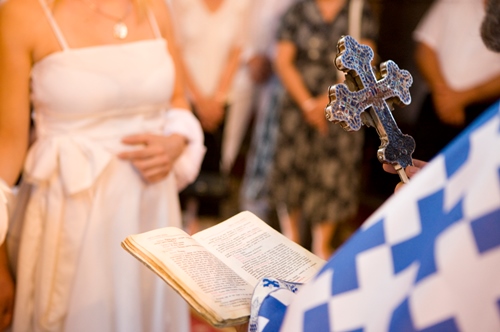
{"x": 427, "y": 260}
{"x": 270, "y": 300}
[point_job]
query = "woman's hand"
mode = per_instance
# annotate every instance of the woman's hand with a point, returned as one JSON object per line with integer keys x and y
{"x": 210, "y": 112}
{"x": 450, "y": 107}
{"x": 409, "y": 170}
{"x": 156, "y": 158}
{"x": 260, "y": 68}
{"x": 314, "y": 113}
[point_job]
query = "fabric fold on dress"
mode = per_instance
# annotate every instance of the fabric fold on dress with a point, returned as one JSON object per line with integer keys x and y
{"x": 78, "y": 161}
{"x": 64, "y": 165}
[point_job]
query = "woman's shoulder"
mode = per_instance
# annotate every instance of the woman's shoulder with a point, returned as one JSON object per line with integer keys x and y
{"x": 17, "y": 9}
{"x": 19, "y": 13}
{"x": 20, "y": 17}
{"x": 25, "y": 30}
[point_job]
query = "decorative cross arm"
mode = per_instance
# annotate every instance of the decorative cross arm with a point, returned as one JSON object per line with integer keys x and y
{"x": 365, "y": 98}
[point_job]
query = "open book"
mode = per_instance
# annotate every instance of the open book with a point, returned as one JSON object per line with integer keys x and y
{"x": 215, "y": 270}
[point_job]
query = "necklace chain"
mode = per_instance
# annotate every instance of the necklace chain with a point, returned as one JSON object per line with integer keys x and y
{"x": 120, "y": 29}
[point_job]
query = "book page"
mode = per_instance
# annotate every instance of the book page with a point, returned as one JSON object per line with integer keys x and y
{"x": 255, "y": 250}
{"x": 198, "y": 271}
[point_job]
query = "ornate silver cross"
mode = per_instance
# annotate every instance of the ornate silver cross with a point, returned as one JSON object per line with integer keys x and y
{"x": 362, "y": 90}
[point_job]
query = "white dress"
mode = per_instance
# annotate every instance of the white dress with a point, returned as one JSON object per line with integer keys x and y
{"x": 205, "y": 39}
{"x": 72, "y": 273}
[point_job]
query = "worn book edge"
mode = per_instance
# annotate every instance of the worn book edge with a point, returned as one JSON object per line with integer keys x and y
{"x": 197, "y": 304}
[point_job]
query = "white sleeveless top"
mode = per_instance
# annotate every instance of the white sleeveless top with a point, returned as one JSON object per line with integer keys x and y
{"x": 205, "y": 38}
{"x": 72, "y": 273}
{"x": 88, "y": 86}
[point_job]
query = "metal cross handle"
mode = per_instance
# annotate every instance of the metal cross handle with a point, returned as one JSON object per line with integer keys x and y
{"x": 362, "y": 90}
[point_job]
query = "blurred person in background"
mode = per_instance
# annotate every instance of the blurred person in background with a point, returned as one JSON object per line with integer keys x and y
{"x": 316, "y": 172}
{"x": 267, "y": 92}
{"x": 462, "y": 75}
{"x": 210, "y": 35}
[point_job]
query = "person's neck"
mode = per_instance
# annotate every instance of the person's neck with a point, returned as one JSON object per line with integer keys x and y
{"x": 329, "y": 8}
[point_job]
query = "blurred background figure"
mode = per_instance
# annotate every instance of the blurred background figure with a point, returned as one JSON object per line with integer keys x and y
{"x": 267, "y": 92}
{"x": 210, "y": 35}
{"x": 316, "y": 174}
{"x": 397, "y": 21}
{"x": 462, "y": 75}
{"x": 490, "y": 28}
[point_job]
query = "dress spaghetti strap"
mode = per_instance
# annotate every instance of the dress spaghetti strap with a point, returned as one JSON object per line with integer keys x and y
{"x": 154, "y": 24}
{"x": 60, "y": 36}
{"x": 54, "y": 25}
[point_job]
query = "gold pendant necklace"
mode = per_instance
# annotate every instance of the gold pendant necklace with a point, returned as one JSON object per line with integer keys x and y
{"x": 120, "y": 29}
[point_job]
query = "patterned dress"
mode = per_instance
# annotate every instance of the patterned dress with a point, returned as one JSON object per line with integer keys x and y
{"x": 316, "y": 173}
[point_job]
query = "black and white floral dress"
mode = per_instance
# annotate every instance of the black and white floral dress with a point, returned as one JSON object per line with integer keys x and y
{"x": 318, "y": 174}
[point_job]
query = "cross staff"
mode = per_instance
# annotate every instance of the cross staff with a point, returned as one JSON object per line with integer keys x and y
{"x": 347, "y": 106}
